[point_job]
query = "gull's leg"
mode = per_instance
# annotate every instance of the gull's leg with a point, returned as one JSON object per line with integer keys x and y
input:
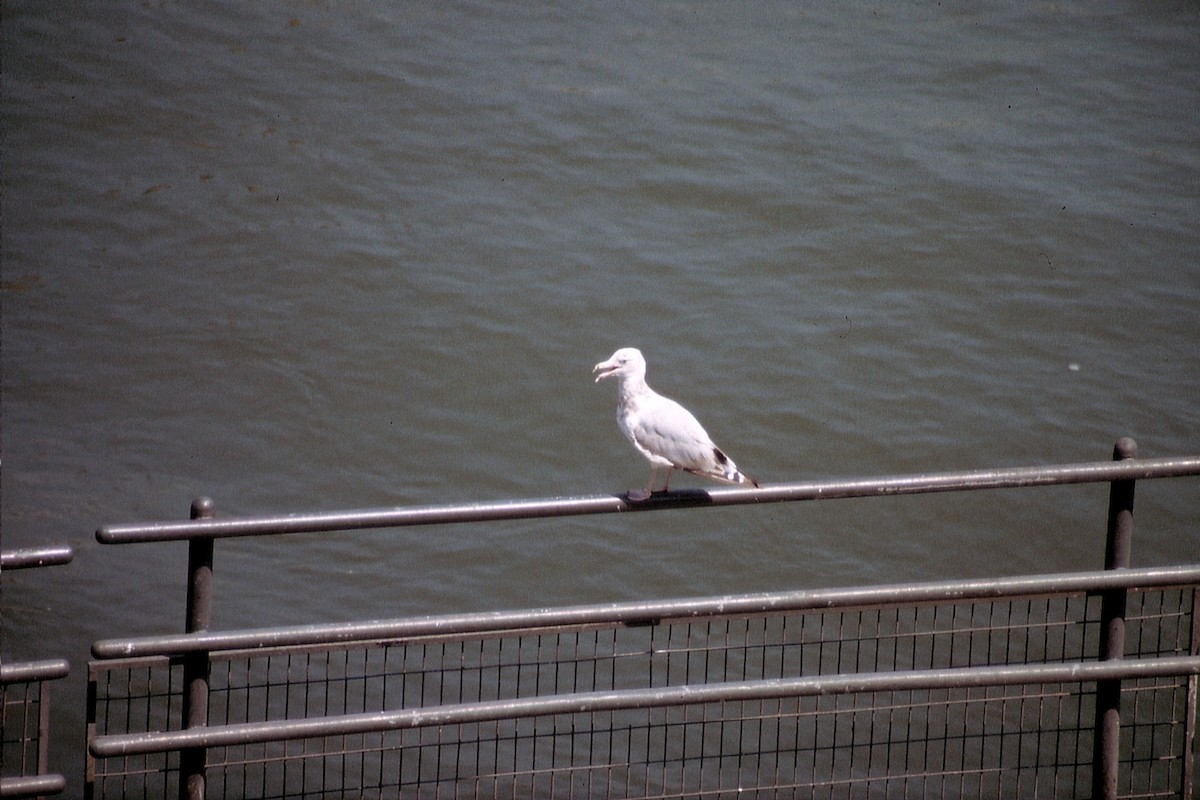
{"x": 667, "y": 482}
{"x": 644, "y": 494}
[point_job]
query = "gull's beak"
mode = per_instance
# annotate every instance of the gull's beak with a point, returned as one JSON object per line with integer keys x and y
{"x": 605, "y": 368}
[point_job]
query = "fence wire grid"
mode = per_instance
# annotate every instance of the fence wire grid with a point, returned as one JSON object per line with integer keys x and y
{"x": 22, "y": 727}
{"x": 989, "y": 741}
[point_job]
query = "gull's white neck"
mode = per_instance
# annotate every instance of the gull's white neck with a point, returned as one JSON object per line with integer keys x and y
{"x": 632, "y": 386}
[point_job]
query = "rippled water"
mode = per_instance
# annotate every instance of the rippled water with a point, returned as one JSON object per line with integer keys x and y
{"x": 310, "y": 257}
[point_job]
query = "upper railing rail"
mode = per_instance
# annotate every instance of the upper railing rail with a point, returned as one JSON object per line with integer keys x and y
{"x": 921, "y": 483}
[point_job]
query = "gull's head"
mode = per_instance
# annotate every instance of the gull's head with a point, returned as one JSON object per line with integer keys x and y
{"x": 626, "y": 361}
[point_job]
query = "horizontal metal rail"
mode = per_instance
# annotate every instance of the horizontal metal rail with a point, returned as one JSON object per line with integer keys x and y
{"x": 36, "y": 557}
{"x": 30, "y": 671}
{"x": 1015, "y": 477}
{"x": 587, "y": 702}
{"x": 32, "y": 785}
{"x": 633, "y": 613}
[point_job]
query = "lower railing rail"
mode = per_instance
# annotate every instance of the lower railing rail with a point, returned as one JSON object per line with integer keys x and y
{"x": 113, "y": 746}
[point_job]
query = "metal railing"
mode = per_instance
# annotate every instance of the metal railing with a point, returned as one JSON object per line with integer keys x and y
{"x": 25, "y": 699}
{"x": 928, "y": 689}
{"x": 982, "y": 688}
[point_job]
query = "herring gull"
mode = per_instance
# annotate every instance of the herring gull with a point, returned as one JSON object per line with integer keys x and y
{"x": 663, "y": 431}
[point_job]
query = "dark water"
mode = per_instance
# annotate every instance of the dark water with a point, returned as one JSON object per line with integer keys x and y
{"x": 298, "y": 256}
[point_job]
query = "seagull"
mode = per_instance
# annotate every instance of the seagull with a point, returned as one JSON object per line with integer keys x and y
{"x": 663, "y": 431}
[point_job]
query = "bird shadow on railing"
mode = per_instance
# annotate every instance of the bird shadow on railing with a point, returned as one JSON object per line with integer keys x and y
{"x": 672, "y": 498}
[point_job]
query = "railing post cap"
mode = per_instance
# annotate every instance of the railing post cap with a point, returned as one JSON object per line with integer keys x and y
{"x": 1125, "y": 448}
{"x": 202, "y": 508}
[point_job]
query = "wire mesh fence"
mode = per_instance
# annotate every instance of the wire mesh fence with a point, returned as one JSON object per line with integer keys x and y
{"x": 21, "y": 739}
{"x": 1031, "y": 739}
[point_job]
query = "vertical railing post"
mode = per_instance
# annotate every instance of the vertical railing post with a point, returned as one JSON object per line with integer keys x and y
{"x": 196, "y": 665}
{"x": 1192, "y": 712}
{"x": 43, "y": 742}
{"x": 1106, "y": 751}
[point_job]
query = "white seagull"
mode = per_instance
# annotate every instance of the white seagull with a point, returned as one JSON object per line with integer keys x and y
{"x": 662, "y": 430}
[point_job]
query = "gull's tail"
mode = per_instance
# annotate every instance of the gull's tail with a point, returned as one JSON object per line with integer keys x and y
{"x": 724, "y": 470}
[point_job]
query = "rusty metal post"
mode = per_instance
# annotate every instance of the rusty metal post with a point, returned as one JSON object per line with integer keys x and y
{"x": 196, "y": 665}
{"x": 1106, "y": 750}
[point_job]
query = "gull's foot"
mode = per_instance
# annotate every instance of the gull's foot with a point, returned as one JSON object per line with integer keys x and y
{"x": 637, "y": 495}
